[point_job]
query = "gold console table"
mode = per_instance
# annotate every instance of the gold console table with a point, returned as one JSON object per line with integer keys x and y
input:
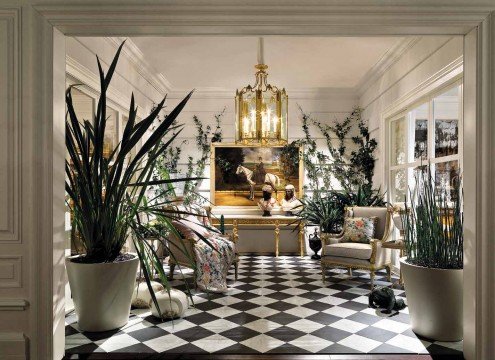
{"x": 275, "y": 220}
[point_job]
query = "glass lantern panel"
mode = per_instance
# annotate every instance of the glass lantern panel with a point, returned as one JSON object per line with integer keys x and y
{"x": 284, "y": 118}
{"x": 269, "y": 116}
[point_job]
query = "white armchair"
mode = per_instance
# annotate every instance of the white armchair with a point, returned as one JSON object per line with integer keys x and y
{"x": 352, "y": 255}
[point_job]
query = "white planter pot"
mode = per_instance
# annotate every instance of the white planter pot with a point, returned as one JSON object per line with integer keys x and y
{"x": 434, "y": 298}
{"x": 102, "y": 293}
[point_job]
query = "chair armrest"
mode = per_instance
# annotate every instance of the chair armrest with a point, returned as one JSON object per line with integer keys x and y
{"x": 375, "y": 246}
{"x": 339, "y": 235}
{"x": 379, "y": 255}
{"x": 329, "y": 239}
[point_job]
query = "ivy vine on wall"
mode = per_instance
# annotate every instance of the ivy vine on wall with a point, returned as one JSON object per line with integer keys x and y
{"x": 169, "y": 163}
{"x": 195, "y": 168}
{"x": 351, "y": 168}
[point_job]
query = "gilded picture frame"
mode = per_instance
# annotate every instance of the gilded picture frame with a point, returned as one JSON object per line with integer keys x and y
{"x": 235, "y": 167}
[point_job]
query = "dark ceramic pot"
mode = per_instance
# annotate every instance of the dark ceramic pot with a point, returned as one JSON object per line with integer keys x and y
{"x": 315, "y": 244}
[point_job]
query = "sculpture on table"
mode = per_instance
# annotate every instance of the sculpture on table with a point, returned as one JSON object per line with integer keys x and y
{"x": 267, "y": 203}
{"x": 384, "y": 297}
{"x": 290, "y": 203}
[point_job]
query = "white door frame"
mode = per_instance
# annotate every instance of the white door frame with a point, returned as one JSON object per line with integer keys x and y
{"x": 44, "y": 27}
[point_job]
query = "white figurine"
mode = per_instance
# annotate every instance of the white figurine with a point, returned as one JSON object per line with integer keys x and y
{"x": 267, "y": 203}
{"x": 291, "y": 204}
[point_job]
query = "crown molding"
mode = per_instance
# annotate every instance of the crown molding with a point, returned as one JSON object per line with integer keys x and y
{"x": 174, "y": 17}
{"x": 301, "y": 93}
{"x": 446, "y": 75}
{"x": 92, "y": 83}
{"x": 385, "y": 63}
{"x": 132, "y": 53}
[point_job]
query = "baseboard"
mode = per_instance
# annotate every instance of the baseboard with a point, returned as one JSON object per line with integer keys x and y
{"x": 13, "y": 346}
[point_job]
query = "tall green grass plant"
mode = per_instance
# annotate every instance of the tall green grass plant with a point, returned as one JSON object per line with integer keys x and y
{"x": 433, "y": 224}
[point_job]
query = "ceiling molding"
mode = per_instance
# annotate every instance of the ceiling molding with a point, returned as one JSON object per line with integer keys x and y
{"x": 450, "y": 73}
{"x": 302, "y": 93}
{"x": 92, "y": 83}
{"x": 385, "y": 63}
{"x": 318, "y": 17}
{"x": 132, "y": 53}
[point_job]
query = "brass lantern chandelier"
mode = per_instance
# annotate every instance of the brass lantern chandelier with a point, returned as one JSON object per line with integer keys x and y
{"x": 261, "y": 110}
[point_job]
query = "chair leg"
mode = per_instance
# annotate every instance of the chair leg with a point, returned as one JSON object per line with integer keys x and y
{"x": 323, "y": 269}
{"x": 350, "y": 271}
{"x": 236, "y": 269}
{"x": 389, "y": 273}
{"x": 171, "y": 274}
{"x": 372, "y": 278}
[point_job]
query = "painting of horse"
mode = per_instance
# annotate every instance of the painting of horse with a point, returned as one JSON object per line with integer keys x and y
{"x": 240, "y": 172}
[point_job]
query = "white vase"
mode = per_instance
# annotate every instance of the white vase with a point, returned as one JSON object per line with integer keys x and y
{"x": 434, "y": 298}
{"x": 102, "y": 292}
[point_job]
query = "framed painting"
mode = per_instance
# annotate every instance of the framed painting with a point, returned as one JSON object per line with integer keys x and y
{"x": 238, "y": 172}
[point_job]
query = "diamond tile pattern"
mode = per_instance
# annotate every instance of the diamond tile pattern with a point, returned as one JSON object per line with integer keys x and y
{"x": 277, "y": 306}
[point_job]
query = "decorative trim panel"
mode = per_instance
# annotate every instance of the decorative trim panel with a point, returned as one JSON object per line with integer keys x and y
{"x": 92, "y": 82}
{"x": 10, "y": 176}
{"x": 132, "y": 52}
{"x": 385, "y": 63}
{"x": 10, "y": 271}
{"x": 13, "y": 304}
{"x": 14, "y": 346}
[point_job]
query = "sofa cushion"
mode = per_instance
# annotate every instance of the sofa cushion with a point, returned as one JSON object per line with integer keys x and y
{"x": 380, "y": 212}
{"x": 359, "y": 229}
{"x": 353, "y": 250}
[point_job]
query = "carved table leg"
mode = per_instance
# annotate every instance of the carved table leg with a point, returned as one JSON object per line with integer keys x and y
{"x": 301, "y": 239}
{"x": 277, "y": 236}
{"x": 235, "y": 231}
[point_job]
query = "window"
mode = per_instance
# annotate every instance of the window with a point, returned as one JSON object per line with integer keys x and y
{"x": 429, "y": 132}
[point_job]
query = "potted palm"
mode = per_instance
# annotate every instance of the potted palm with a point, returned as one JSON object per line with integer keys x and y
{"x": 432, "y": 267}
{"x": 324, "y": 212}
{"x": 107, "y": 191}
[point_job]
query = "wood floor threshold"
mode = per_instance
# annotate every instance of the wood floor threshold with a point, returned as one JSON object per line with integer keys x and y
{"x": 126, "y": 356}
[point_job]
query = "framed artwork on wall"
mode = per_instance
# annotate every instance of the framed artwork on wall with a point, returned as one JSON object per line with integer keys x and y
{"x": 238, "y": 172}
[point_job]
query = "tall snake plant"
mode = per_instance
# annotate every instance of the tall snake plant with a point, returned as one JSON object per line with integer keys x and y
{"x": 433, "y": 226}
{"x": 107, "y": 192}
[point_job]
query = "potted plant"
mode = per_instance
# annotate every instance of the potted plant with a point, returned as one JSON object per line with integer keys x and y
{"x": 106, "y": 191}
{"x": 432, "y": 267}
{"x": 323, "y": 211}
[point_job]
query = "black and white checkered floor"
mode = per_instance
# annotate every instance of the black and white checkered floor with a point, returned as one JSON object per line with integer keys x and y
{"x": 278, "y": 305}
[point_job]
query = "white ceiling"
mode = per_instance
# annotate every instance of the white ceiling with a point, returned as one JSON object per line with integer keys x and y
{"x": 294, "y": 62}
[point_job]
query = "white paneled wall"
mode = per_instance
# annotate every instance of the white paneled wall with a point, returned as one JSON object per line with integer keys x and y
{"x": 129, "y": 76}
{"x": 327, "y": 108}
{"x": 401, "y": 85}
{"x": 423, "y": 60}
